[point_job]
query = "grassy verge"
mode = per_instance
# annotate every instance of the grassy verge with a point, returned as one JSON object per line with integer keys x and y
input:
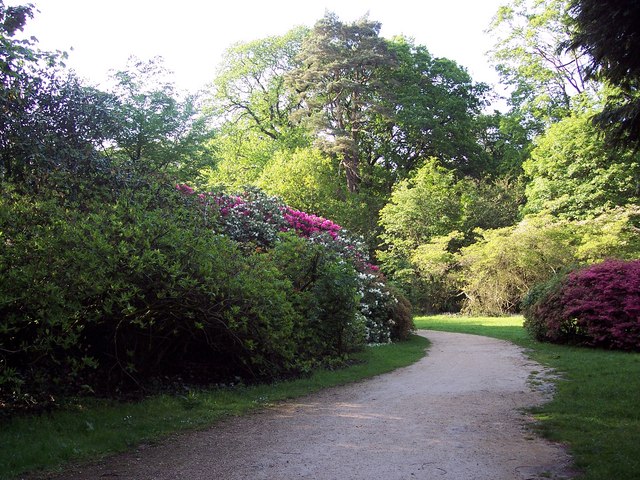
{"x": 596, "y": 409}
{"x": 90, "y": 429}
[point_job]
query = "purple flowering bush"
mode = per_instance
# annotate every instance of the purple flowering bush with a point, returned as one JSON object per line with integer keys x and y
{"x": 596, "y": 306}
{"x": 257, "y": 219}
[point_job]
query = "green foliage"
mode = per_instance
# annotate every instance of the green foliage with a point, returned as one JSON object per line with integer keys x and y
{"x": 529, "y": 59}
{"x": 255, "y": 105}
{"x": 305, "y": 179}
{"x": 341, "y": 86}
{"x": 50, "y": 123}
{"x": 613, "y": 234}
{"x": 428, "y": 219}
{"x": 608, "y": 32}
{"x": 575, "y": 175}
{"x": 155, "y": 130}
{"x": 401, "y": 314}
{"x": 505, "y": 141}
{"x": 115, "y": 296}
{"x": 501, "y": 268}
{"x": 436, "y": 107}
{"x": 325, "y": 292}
{"x": 437, "y": 277}
{"x": 422, "y": 207}
{"x": 250, "y": 86}
{"x": 241, "y": 156}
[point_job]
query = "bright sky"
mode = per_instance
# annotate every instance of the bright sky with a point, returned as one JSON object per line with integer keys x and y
{"x": 191, "y": 35}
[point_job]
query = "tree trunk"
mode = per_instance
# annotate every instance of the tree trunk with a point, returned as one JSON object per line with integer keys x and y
{"x": 350, "y": 163}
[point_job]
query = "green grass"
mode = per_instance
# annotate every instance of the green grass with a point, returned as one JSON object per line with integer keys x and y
{"x": 596, "y": 409}
{"x": 90, "y": 429}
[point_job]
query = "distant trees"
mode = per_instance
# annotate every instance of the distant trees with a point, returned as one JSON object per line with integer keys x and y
{"x": 343, "y": 89}
{"x": 368, "y": 112}
{"x": 250, "y": 88}
{"x": 573, "y": 173}
{"x": 549, "y": 191}
{"x": 383, "y": 106}
{"x": 154, "y": 128}
{"x": 429, "y": 218}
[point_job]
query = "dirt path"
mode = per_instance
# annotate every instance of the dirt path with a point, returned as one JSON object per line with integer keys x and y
{"x": 454, "y": 415}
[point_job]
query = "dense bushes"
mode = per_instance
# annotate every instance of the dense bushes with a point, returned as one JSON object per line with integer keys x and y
{"x": 261, "y": 219}
{"x": 595, "y": 306}
{"x": 490, "y": 271}
{"x": 108, "y": 296}
{"x": 133, "y": 290}
{"x": 428, "y": 218}
{"x": 500, "y": 268}
{"x": 505, "y": 263}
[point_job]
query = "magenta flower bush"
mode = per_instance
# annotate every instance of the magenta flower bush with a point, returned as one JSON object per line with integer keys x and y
{"x": 597, "y": 306}
{"x": 255, "y": 218}
{"x": 308, "y": 225}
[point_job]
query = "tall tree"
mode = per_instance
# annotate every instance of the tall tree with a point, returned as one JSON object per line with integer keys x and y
{"x": 157, "y": 129}
{"x": 341, "y": 86}
{"x": 49, "y": 122}
{"x": 609, "y": 32}
{"x": 574, "y": 175}
{"x": 254, "y": 106}
{"x": 435, "y": 105}
{"x": 250, "y": 87}
{"x": 528, "y": 57}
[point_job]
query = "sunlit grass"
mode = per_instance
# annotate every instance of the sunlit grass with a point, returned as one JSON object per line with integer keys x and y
{"x": 90, "y": 429}
{"x": 596, "y": 409}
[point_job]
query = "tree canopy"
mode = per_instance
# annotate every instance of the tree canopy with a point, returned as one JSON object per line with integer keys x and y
{"x": 342, "y": 85}
{"x": 608, "y": 32}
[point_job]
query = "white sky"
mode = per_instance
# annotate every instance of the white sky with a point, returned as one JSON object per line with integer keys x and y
{"x": 192, "y": 34}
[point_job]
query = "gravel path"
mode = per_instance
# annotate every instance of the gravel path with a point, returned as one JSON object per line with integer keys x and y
{"x": 454, "y": 415}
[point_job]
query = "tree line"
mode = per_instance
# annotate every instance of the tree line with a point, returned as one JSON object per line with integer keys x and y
{"x": 462, "y": 207}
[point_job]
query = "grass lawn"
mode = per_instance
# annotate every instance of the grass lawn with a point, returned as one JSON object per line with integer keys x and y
{"x": 596, "y": 409}
{"x": 90, "y": 429}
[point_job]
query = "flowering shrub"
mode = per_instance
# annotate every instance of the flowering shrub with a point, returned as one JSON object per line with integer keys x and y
{"x": 309, "y": 225}
{"x": 375, "y": 306}
{"x": 159, "y": 285}
{"x": 118, "y": 296}
{"x": 596, "y": 306}
{"x": 250, "y": 217}
{"x": 258, "y": 218}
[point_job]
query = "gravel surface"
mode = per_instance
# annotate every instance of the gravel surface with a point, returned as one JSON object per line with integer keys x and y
{"x": 457, "y": 414}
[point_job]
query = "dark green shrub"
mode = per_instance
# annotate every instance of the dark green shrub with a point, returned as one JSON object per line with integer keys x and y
{"x": 549, "y": 292}
{"x": 402, "y": 316}
{"x": 113, "y": 297}
{"x": 324, "y": 292}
